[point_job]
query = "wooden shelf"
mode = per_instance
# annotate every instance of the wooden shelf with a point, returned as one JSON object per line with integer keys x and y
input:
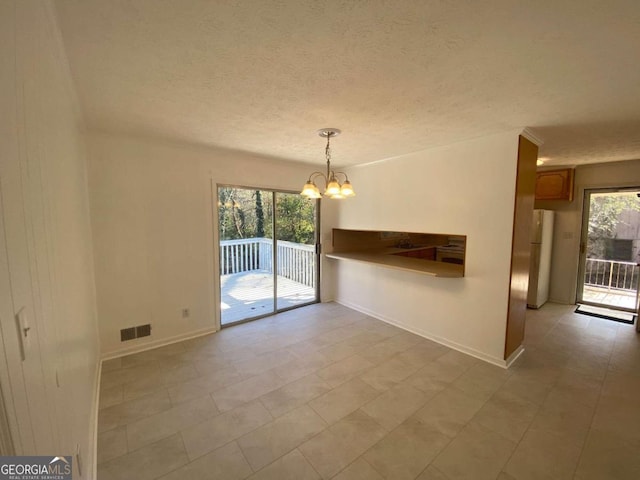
{"x": 390, "y": 259}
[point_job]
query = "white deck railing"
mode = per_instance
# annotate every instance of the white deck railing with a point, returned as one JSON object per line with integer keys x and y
{"x": 611, "y": 274}
{"x": 296, "y": 261}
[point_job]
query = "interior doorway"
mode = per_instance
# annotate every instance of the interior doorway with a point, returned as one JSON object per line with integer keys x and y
{"x": 268, "y": 244}
{"x": 610, "y": 249}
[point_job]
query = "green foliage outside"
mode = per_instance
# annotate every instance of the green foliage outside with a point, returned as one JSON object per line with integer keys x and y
{"x": 604, "y": 218}
{"x": 244, "y": 213}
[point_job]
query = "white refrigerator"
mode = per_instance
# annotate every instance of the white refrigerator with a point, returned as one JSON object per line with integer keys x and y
{"x": 540, "y": 265}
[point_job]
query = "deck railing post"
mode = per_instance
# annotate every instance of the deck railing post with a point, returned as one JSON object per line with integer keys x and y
{"x": 296, "y": 261}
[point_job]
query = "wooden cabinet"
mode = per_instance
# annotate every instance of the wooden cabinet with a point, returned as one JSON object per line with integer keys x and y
{"x": 555, "y": 184}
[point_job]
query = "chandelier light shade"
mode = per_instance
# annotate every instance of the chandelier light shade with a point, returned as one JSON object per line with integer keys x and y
{"x": 332, "y": 186}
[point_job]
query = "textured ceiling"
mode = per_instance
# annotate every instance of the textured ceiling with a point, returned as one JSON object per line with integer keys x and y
{"x": 396, "y": 76}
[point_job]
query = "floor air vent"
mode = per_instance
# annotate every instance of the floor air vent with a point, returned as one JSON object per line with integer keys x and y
{"x": 135, "y": 332}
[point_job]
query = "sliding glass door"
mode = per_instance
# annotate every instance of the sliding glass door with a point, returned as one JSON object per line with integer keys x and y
{"x": 268, "y": 256}
{"x": 610, "y": 249}
{"x": 296, "y": 257}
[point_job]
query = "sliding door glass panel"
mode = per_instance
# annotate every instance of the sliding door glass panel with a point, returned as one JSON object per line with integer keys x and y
{"x": 296, "y": 258}
{"x": 245, "y": 224}
{"x": 610, "y": 249}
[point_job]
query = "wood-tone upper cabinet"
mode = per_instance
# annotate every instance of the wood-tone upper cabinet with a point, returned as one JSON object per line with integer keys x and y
{"x": 555, "y": 184}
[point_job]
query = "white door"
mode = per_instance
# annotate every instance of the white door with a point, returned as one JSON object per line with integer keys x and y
{"x": 21, "y": 367}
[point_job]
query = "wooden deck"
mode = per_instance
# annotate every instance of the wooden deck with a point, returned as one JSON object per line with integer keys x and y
{"x": 250, "y": 294}
{"x": 613, "y": 298}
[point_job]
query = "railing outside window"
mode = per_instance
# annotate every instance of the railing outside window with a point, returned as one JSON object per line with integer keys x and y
{"x": 611, "y": 274}
{"x": 296, "y": 261}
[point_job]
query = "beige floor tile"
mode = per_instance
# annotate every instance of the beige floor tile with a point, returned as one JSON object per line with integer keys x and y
{"x": 529, "y": 390}
{"x": 504, "y": 476}
{"x": 340, "y": 334}
{"x": 365, "y": 339}
{"x": 147, "y": 463}
{"x": 476, "y": 453}
{"x": 423, "y": 353}
{"x": 395, "y": 405}
{"x": 579, "y": 387}
{"x": 339, "y": 372}
{"x": 132, "y": 410}
{"x": 507, "y": 414}
{"x": 112, "y": 444}
{"x": 359, "y": 470}
{"x": 454, "y": 357}
{"x": 168, "y": 422}
{"x": 294, "y": 394}
{"x": 389, "y": 373}
{"x": 126, "y": 375}
{"x": 179, "y": 373}
{"x": 155, "y": 355}
{"x": 338, "y": 351}
{"x": 407, "y": 450}
{"x": 482, "y": 380}
{"x": 215, "y": 432}
{"x": 569, "y": 421}
{"x": 264, "y": 362}
{"x": 225, "y": 463}
{"x": 247, "y": 390}
{"x": 436, "y": 376}
{"x": 301, "y": 367}
{"x": 606, "y": 455}
{"x": 542, "y": 455}
{"x": 112, "y": 364}
{"x": 219, "y": 378}
{"x": 292, "y": 466}
{"x": 111, "y": 396}
{"x": 449, "y": 411}
{"x": 271, "y": 441}
{"x": 382, "y": 351}
{"x": 336, "y": 447}
{"x": 618, "y": 418}
{"x": 186, "y": 392}
{"x": 432, "y": 473}
{"x": 577, "y": 380}
{"x": 145, "y": 386}
{"x": 342, "y": 400}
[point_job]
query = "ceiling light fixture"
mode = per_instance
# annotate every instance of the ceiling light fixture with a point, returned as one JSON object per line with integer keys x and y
{"x": 333, "y": 188}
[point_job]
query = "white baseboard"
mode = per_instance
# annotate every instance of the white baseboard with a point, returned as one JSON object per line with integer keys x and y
{"x": 157, "y": 343}
{"x": 443, "y": 341}
{"x": 515, "y": 355}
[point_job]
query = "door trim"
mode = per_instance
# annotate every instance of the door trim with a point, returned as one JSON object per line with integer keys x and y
{"x": 584, "y": 234}
{"x": 216, "y": 249}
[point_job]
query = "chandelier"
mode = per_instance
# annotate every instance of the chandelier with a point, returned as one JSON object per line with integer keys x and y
{"x": 332, "y": 187}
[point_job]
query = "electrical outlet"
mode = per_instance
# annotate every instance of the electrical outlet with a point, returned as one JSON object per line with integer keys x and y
{"x": 185, "y": 313}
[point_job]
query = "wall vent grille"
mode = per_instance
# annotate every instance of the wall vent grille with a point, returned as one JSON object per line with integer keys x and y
{"x": 127, "y": 334}
{"x": 143, "y": 330}
{"x": 135, "y": 332}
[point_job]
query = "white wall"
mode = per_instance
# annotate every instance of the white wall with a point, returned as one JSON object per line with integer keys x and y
{"x": 466, "y": 189}
{"x": 568, "y": 223}
{"x": 46, "y": 240}
{"x": 152, "y": 218}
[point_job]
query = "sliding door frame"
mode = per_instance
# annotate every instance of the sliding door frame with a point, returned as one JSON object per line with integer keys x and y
{"x": 274, "y": 252}
{"x": 584, "y": 238}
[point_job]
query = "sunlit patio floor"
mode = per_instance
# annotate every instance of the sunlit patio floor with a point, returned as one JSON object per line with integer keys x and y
{"x": 250, "y": 294}
{"x": 612, "y": 298}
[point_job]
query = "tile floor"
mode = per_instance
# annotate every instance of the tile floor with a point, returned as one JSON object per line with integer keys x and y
{"x": 326, "y": 392}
